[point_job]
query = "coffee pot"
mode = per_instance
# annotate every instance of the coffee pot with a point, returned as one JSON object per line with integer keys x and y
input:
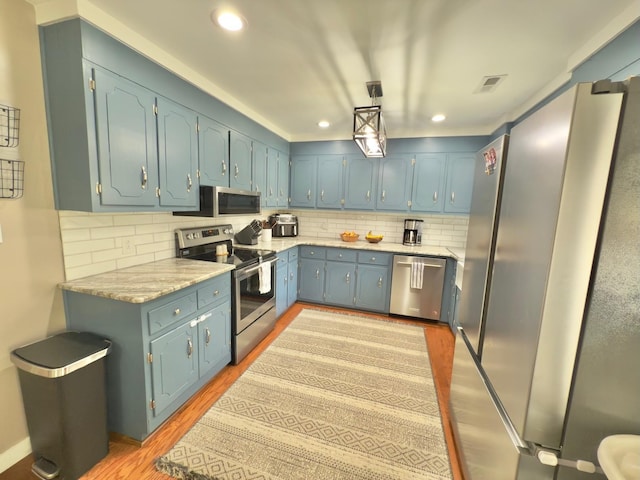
{"x": 412, "y": 232}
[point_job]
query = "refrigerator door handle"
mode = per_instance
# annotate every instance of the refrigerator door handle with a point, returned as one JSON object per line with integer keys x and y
{"x": 521, "y": 445}
{"x": 544, "y": 455}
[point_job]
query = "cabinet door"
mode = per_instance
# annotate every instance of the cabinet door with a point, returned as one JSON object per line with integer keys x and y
{"x": 330, "y": 181}
{"x": 292, "y": 283}
{"x": 127, "y": 148}
{"x": 213, "y": 150}
{"x": 428, "y": 180}
{"x": 214, "y": 338}
{"x": 373, "y": 288}
{"x": 282, "y": 281}
{"x": 340, "y": 283}
{"x": 311, "y": 280}
{"x": 259, "y": 180}
{"x": 362, "y": 174}
{"x": 177, "y": 155}
{"x": 271, "y": 190}
{"x": 175, "y": 365}
{"x": 283, "y": 180}
{"x": 394, "y": 183}
{"x": 240, "y": 161}
{"x": 460, "y": 171}
{"x": 303, "y": 181}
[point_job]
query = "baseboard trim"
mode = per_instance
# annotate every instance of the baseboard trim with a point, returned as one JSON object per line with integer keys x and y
{"x": 16, "y": 453}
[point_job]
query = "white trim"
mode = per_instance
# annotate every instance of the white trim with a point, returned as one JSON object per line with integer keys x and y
{"x": 10, "y": 457}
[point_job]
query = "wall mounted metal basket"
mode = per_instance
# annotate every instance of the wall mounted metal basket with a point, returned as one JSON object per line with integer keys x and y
{"x": 11, "y": 178}
{"x": 9, "y": 126}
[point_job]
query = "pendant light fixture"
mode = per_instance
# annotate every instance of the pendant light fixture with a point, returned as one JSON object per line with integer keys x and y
{"x": 369, "y": 130}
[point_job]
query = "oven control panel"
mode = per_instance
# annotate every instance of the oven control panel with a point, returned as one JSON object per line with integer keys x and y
{"x": 190, "y": 237}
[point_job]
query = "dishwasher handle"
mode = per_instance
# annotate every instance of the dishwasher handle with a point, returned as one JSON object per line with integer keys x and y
{"x": 428, "y": 265}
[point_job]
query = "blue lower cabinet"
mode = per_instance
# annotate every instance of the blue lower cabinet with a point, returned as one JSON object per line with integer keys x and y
{"x": 164, "y": 350}
{"x": 292, "y": 282}
{"x": 282, "y": 282}
{"x": 373, "y": 288}
{"x": 174, "y": 367}
{"x": 311, "y": 280}
{"x": 340, "y": 282}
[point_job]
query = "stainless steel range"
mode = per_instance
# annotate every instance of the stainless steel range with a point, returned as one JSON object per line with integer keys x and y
{"x": 253, "y": 313}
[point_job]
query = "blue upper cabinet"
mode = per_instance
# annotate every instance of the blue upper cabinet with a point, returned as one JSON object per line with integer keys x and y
{"x": 428, "y": 182}
{"x": 177, "y": 154}
{"x": 460, "y": 172}
{"x": 213, "y": 149}
{"x": 394, "y": 183}
{"x": 126, "y": 131}
{"x": 240, "y": 161}
{"x": 283, "y": 180}
{"x": 330, "y": 181}
{"x": 271, "y": 189}
{"x": 362, "y": 177}
{"x": 303, "y": 180}
{"x": 259, "y": 179}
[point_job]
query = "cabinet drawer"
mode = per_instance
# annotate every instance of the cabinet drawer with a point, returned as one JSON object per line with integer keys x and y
{"x": 283, "y": 258}
{"x": 293, "y": 254}
{"x": 171, "y": 312}
{"x": 214, "y": 291}
{"x": 374, "y": 258}
{"x": 307, "y": 251}
{"x": 342, "y": 255}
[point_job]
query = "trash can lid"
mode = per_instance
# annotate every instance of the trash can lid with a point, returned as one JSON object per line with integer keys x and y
{"x": 61, "y": 354}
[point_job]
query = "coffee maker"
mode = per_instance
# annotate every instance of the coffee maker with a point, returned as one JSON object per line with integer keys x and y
{"x": 412, "y": 232}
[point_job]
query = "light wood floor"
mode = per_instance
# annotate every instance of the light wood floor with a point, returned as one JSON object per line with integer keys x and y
{"x": 126, "y": 461}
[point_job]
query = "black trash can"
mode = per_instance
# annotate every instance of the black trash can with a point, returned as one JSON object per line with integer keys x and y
{"x": 63, "y": 390}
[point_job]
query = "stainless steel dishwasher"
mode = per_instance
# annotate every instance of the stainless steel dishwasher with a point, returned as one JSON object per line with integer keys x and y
{"x": 417, "y": 284}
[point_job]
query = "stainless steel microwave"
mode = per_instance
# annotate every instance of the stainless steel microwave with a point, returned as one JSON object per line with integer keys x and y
{"x": 224, "y": 201}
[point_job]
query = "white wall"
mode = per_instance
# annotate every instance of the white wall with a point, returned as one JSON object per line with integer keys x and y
{"x": 31, "y": 252}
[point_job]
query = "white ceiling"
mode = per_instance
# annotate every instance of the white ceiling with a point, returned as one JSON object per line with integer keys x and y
{"x": 301, "y": 61}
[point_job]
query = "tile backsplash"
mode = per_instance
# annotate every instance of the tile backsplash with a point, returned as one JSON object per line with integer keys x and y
{"x": 100, "y": 242}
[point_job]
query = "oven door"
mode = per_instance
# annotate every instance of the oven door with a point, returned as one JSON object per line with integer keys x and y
{"x": 250, "y": 304}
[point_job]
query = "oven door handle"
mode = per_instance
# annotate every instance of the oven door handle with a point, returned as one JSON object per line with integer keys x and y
{"x": 255, "y": 269}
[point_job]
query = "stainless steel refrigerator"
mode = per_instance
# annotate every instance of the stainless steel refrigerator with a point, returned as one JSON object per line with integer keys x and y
{"x": 547, "y": 365}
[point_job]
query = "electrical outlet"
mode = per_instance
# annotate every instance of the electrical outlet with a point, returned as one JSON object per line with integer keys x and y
{"x": 127, "y": 246}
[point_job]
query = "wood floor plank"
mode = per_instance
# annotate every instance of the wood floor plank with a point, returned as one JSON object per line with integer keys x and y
{"x": 127, "y": 461}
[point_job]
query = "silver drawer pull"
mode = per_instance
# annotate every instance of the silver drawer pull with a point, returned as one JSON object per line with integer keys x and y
{"x": 309, "y": 194}
{"x": 216, "y": 293}
{"x": 176, "y": 311}
{"x": 189, "y": 182}
{"x": 380, "y": 282}
{"x": 317, "y": 273}
{"x": 224, "y": 167}
{"x": 348, "y": 277}
{"x": 207, "y": 335}
{"x": 237, "y": 171}
{"x": 453, "y": 197}
{"x": 189, "y": 348}
{"x": 435, "y": 197}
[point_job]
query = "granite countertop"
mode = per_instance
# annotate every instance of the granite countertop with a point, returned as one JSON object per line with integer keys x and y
{"x": 280, "y": 244}
{"x": 142, "y": 283}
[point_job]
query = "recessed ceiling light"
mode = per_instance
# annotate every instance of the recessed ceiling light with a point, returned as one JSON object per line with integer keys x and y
{"x": 438, "y": 118}
{"x": 323, "y": 124}
{"x": 228, "y": 20}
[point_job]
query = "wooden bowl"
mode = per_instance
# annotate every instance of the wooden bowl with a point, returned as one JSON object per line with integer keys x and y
{"x": 349, "y": 238}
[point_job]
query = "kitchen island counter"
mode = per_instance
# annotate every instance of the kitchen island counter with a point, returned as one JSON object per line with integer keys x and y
{"x": 142, "y": 283}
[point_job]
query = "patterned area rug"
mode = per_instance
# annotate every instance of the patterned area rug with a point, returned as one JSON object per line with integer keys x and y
{"x": 333, "y": 397}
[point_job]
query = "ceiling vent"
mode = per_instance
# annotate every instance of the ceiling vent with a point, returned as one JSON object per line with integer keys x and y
{"x": 489, "y": 84}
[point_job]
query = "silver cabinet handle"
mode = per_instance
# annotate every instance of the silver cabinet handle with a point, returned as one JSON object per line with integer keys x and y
{"x": 291, "y": 275}
{"x": 207, "y": 333}
{"x": 435, "y": 197}
{"x": 384, "y": 194}
{"x": 281, "y": 193}
{"x": 380, "y": 282}
{"x": 224, "y": 167}
{"x": 312, "y": 252}
{"x": 257, "y": 187}
{"x": 216, "y": 293}
{"x": 317, "y": 273}
{"x": 271, "y": 191}
{"x": 368, "y": 195}
{"x": 143, "y": 184}
{"x": 237, "y": 171}
{"x": 322, "y": 195}
{"x": 189, "y": 348}
{"x": 453, "y": 197}
{"x": 189, "y": 182}
{"x": 309, "y": 194}
{"x": 348, "y": 277}
{"x": 176, "y": 311}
